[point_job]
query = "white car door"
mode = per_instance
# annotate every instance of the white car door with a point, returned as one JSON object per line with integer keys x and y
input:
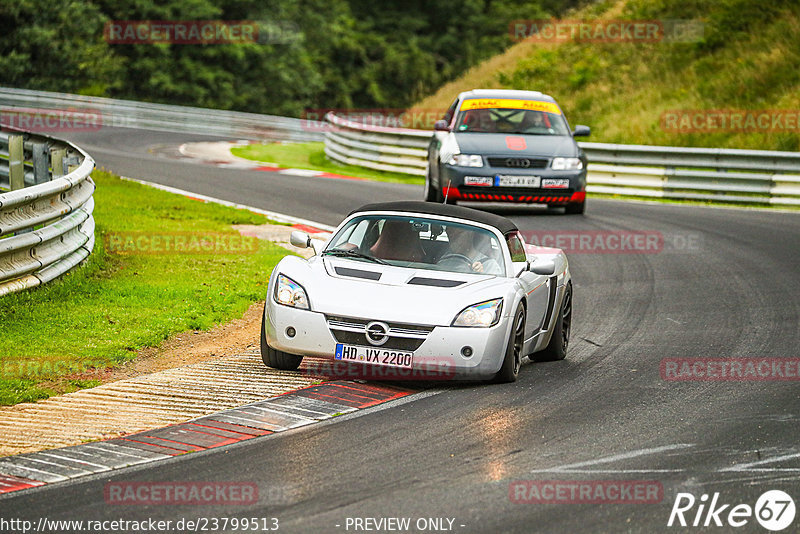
{"x": 536, "y": 286}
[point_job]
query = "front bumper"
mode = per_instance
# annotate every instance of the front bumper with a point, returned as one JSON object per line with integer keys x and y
{"x": 452, "y": 179}
{"x": 440, "y": 350}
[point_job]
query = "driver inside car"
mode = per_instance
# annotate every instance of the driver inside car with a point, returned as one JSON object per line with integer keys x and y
{"x": 474, "y": 248}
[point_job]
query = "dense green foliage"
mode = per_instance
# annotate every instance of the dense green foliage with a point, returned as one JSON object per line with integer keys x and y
{"x": 324, "y": 53}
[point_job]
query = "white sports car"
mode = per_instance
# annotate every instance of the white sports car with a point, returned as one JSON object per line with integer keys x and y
{"x": 414, "y": 286}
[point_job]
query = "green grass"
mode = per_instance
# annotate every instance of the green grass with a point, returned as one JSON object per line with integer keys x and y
{"x": 312, "y": 156}
{"x": 100, "y": 314}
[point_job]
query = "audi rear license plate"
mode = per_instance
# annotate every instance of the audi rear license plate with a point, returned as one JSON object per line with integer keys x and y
{"x": 511, "y": 180}
{"x": 374, "y": 356}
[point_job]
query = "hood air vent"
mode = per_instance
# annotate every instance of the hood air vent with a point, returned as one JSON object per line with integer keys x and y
{"x": 357, "y": 273}
{"x": 435, "y": 282}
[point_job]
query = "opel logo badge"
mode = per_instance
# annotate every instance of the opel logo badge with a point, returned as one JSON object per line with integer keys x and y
{"x": 377, "y": 332}
{"x": 518, "y": 162}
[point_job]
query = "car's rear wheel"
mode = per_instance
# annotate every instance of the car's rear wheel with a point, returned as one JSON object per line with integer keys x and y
{"x": 557, "y": 348}
{"x": 575, "y": 208}
{"x": 275, "y": 358}
{"x": 513, "y": 358}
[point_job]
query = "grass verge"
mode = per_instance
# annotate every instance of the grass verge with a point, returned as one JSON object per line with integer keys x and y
{"x": 312, "y": 156}
{"x": 128, "y": 295}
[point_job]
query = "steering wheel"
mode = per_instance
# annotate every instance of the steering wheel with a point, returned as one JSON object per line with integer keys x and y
{"x": 447, "y": 258}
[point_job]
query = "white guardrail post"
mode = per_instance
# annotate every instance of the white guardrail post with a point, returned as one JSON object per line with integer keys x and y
{"x": 46, "y": 224}
{"x": 706, "y": 174}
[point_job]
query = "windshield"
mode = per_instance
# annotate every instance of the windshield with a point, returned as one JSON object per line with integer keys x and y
{"x": 419, "y": 243}
{"x": 529, "y": 117}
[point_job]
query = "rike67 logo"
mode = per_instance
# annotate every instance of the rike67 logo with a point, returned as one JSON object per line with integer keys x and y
{"x": 774, "y": 510}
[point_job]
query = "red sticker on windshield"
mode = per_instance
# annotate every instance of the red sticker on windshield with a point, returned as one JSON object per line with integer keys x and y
{"x": 516, "y": 143}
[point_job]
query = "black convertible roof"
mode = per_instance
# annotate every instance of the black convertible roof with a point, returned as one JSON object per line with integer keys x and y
{"x": 447, "y": 210}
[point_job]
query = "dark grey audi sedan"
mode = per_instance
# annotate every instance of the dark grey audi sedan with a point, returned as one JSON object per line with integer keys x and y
{"x": 497, "y": 145}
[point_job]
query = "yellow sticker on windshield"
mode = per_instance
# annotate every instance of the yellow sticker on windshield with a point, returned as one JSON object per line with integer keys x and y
{"x": 509, "y": 103}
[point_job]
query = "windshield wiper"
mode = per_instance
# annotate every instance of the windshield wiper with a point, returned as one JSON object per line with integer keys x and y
{"x": 343, "y": 253}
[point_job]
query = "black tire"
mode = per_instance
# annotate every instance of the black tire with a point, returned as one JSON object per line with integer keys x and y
{"x": 438, "y": 195}
{"x": 275, "y": 358}
{"x": 559, "y": 341}
{"x": 576, "y": 208}
{"x": 513, "y": 358}
{"x": 430, "y": 192}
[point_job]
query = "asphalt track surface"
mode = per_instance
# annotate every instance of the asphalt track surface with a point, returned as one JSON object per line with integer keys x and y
{"x": 726, "y": 284}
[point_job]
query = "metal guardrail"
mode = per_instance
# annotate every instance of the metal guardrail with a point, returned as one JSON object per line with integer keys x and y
{"x": 107, "y": 112}
{"x": 708, "y": 174}
{"x": 387, "y": 149}
{"x": 46, "y": 224}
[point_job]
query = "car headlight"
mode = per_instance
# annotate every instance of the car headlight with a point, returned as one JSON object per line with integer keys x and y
{"x": 465, "y": 160}
{"x": 290, "y": 293}
{"x": 566, "y": 164}
{"x": 483, "y": 314}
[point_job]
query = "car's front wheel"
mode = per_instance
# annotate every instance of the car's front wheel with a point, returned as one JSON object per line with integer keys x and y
{"x": 430, "y": 192}
{"x": 557, "y": 348}
{"x": 513, "y": 357}
{"x": 275, "y": 358}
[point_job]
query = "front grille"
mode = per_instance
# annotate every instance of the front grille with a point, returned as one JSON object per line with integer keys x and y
{"x": 402, "y": 336}
{"x": 353, "y": 323}
{"x": 518, "y": 163}
{"x": 397, "y": 343}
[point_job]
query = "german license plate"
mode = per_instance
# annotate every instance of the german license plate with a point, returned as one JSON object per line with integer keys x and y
{"x": 510, "y": 180}
{"x": 374, "y": 356}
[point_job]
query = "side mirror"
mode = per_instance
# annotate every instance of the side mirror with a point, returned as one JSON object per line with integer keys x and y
{"x": 441, "y": 126}
{"x": 546, "y": 268}
{"x": 581, "y": 131}
{"x": 300, "y": 239}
